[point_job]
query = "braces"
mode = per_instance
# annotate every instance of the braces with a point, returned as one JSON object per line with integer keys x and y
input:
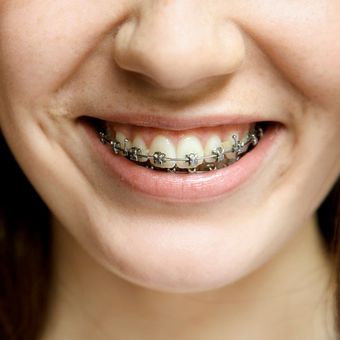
{"x": 239, "y": 148}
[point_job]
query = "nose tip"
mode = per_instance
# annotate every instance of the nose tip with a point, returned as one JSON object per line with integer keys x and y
{"x": 175, "y": 47}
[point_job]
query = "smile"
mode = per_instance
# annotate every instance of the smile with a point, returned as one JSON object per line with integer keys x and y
{"x": 187, "y": 160}
{"x": 193, "y": 151}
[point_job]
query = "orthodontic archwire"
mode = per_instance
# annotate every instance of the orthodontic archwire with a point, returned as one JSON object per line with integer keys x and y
{"x": 135, "y": 154}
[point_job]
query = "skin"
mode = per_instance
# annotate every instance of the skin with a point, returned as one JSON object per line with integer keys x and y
{"x": 127, "y": 266}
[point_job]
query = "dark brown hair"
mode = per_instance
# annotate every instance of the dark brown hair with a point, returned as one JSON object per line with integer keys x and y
{"x": 25, "y": 250}
{"x": 25, "y": 258}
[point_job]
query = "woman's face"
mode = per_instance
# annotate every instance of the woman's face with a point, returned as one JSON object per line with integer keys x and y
{"x": 174, "y": 66}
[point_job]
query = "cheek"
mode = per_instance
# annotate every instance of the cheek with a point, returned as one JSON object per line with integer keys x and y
{"x": 51, "y": 41}
{"x": 302, "y": 40}
{"x": 53, "y": 38}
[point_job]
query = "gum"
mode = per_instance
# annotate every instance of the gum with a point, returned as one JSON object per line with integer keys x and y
{"x": 203, "y": 134}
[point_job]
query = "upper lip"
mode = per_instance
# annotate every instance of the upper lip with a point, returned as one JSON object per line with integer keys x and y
{"x": 179, "y": 122}
{"x": 178, "y": 119}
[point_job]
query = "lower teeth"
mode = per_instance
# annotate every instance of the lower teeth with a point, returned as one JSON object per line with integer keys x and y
{"x": 238, "y": 149}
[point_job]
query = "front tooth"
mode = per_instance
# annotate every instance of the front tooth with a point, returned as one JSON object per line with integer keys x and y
{"x": 212, "y": 143}
{"x": 139, "y": 143}
{"x": 186, "y": 147}
{"x": 121, "y": 138}
{"x": 162, "y": 145}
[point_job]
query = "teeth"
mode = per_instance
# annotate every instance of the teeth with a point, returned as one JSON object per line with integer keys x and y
{"x": 245, "y": 136}
{"x": 228, "y": 141}
{"x": 212, "y": 143}
{"x": 228, "y": 144}
{"x": 189, "y": 147}
{"x": 120, "y": 137}
{"x": 138, "y": 142}
{"x": 159, "y": 146}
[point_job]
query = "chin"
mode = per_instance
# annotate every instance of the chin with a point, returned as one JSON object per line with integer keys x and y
{"x": 180, "y": 258}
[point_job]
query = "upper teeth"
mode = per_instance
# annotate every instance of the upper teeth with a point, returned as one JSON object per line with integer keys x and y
{"x": 213, "y": 143}
{"x": 162, "y": 145}
{"x": 190, "y": 149}
{"x": 138, "y": 142}
{"x": 125, "y": 144}
{"x": 187, "y": 154}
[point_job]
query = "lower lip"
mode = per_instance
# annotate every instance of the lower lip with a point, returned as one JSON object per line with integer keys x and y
{"x": 199, "y": 187}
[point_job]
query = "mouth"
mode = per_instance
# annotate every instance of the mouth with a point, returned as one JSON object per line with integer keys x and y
{"x": 189, "y": 165}
{"x": 192, "y": 151}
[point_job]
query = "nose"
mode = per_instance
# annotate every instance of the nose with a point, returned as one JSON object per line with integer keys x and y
{"x": 175, "y": 44}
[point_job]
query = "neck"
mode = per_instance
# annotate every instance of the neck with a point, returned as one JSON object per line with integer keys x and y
{"x": 290, "y": 297}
